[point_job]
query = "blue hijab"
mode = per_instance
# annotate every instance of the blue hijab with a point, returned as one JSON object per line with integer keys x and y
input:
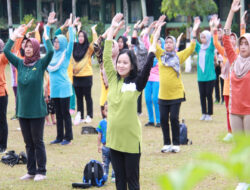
{"x": 59, "y": 54}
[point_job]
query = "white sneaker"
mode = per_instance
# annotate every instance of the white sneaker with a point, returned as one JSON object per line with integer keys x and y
{"x": 82, "y": 121}
{"x": 228, "y": 137}
{"x": 27, "y": 177}
{"x": 88, "y": 119}
{"x": 203, "y": 117}
{"x": 39, "y": 177}
{"x": 77, "y": 119}
{"x": 175, "y": 149}
{"x": 242, "y": 186}
{"x": 208, "y": 118}
{"x": 166, "y": 148}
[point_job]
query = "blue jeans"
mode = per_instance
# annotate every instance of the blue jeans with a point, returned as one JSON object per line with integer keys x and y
{"x": 151, "y": 97}
{"x": 106, "y": 160}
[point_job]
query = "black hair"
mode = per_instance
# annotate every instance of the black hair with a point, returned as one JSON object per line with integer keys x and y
{"x": 21, "y": 49}
{"x": 133, "y": 60}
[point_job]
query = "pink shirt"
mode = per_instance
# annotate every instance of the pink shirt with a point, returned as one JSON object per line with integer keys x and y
{"x": 154, "y": 74}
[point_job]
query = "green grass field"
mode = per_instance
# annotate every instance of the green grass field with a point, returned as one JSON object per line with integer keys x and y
{"x": 65, "y": 163}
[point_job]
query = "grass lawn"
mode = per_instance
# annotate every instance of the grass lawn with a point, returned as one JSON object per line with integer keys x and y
{"x": 65, "y": 163}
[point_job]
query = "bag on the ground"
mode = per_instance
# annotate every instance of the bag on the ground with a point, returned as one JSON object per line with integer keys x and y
{"x": 183, "y": 134}
{"x": 89, "y": 130}
{"x": 11, "y": 158}
{"x": 93, "y": 175}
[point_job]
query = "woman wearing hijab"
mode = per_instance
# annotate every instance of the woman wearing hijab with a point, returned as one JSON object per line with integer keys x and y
{"x": 122, "y": 43}
{"x": 171, "y": 92}
{"x": 225, "y": 67}
{"x": 31, "y": 107}
{"x": 83, "y": 75}
{"x": 239, "y": 80}
{"x": 206, "y": 73}
{"x": 18, "y": 50}
{"x": 60, "y": 86}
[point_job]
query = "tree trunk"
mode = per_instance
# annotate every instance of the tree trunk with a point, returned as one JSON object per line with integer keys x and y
{"x": 125, "y": 13}
{"x": 74, "y": 7}
{"x": 10, "y": 24}
{"x": 61, "y": 11}
{"x": 144, "y": 9}
{"x": 188, "y": 62}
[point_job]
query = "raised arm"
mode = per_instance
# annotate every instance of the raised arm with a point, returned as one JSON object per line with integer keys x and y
{"x": 49, "y": 53}
{"x": 142, "y": 78}
{"x": 18, "y": 42}
{"x": 234, "y": 8}
{"x": 120, "y": 26}
{"x": 7, "y": 49}
{"x": 94, "y": 34}
{"x": 51, "y": 20}
{"x": 231, "y": 54}
{"x": 243, "y": 24}
{"x": 107, "y": 53}
{"x": 178, "y": 42}
{"x": 184, "y": 54}
{"x": 71, "y": 35}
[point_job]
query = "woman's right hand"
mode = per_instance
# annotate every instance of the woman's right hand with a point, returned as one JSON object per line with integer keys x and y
{"x": 235, "y": 6}
{"x": 51, "y": 18}
{"x": 18, "y": 32}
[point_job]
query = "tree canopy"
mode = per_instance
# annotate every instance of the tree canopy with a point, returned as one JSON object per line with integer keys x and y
{"x": 173, "y": 8}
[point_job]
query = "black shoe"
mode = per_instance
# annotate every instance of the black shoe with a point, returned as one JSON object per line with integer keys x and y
{"x": 149, "y": 124}
{"x": 158, "y": 125}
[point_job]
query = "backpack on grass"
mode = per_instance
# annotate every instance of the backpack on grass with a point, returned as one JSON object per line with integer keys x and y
{"x": 93, "y": 175}
{"x": 183, "y": 134}
{"x": 89, "y": 130}
{"x": 11, "y": 158}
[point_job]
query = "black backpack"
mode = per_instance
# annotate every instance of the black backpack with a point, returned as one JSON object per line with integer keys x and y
{"x": 93, "y": 175}
{"x": 11, "y": 158}
{"x": 89, "y": 130}
{"x": 183, "y": 134}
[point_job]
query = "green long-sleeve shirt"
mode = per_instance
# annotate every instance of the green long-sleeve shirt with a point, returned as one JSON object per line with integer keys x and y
{"x": 30, "y": 99}
{"x": 123, "y": 125}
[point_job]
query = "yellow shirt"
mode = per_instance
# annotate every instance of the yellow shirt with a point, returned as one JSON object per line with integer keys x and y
{"x": 84, "y": 66}
{"x": 171, "y": 86}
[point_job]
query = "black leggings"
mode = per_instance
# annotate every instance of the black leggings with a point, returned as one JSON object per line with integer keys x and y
{"x": 80, "y": 92}
{"x": 219, "y": 83}
{"x": 206, "y": 98}
{"x": 63, "y": 119}
{"x": 126, "y": 167}
{"x": 3, "y": 121}
{"x": 32, "y": 130}
{"x": 171, "y": 111}
{"x": 139, "y": 105}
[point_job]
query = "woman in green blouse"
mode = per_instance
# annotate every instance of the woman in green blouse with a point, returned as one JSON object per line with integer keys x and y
{"x": 31, "y": 107}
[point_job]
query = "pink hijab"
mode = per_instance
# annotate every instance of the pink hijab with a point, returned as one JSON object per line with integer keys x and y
{"x": 242, "y": 65}
{"x": 30, "y": 61}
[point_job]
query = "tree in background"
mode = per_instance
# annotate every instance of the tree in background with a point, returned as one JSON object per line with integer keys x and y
{"x": 189, "y": 8}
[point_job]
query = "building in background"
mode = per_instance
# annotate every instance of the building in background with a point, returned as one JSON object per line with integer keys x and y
{"x": 98, "y": 11}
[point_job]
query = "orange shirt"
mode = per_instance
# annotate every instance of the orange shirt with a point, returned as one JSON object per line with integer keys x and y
{"x": 3, "y": 85}
{"x": 239, "y": 87}
{"x": 221, "y": 51}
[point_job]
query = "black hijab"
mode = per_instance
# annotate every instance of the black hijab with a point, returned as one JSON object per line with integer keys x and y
{"x": 124, "y": 39}
{"x": 80, "y": 50}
